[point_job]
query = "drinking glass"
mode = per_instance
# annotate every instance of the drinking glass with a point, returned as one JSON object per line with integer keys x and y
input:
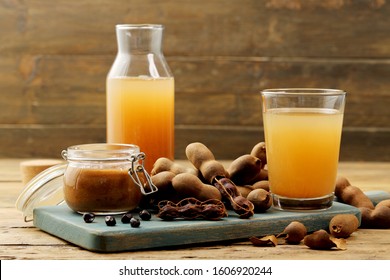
{"x": 302, "y": 128}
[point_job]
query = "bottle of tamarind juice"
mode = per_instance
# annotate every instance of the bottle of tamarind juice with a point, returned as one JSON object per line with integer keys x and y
{"x": 140, "y": 93}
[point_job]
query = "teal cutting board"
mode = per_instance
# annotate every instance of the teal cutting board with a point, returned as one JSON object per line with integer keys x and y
{"x": 64, "y": 223}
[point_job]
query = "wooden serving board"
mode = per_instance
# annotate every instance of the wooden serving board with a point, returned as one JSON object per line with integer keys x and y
{"x": 62, "y": 222}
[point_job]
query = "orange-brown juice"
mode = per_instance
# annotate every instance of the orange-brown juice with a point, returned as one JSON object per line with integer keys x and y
{"x": 302, "y": 151}
{"x": 140, "y": 111}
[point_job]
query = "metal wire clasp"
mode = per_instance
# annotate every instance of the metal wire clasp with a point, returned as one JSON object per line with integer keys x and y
{"x": 134, "y": 170}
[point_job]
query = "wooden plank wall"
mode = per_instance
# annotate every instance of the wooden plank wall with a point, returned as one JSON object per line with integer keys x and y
{"x": 54, "y": 57}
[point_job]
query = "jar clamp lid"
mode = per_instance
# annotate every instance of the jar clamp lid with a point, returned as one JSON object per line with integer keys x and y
{"x": 134, "y": 170}
{"x": 46, "y": 188}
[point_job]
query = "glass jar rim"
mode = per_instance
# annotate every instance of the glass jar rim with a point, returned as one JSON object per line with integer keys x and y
{"x": 139, "y": 26}
{"x": 100, "y": 151}
{"x": 303, "y": 91}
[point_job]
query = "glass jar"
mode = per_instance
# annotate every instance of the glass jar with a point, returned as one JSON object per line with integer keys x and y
{"x": 140, "y": 93}
{"x": 103, "y": 178}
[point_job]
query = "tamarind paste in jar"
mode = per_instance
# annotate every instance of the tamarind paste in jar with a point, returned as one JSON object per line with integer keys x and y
{"x": 97, "y": 180}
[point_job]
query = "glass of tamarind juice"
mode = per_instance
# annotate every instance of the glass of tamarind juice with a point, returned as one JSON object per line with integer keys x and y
{"x": 302, "y": 128}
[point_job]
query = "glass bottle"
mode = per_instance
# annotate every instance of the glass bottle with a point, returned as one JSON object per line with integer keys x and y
{"x": 140, "y": 93}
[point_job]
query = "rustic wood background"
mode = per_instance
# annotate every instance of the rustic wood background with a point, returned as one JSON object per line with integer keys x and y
{"x": 54, "y": 57}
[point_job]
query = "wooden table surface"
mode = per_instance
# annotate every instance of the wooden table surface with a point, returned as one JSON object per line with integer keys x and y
{"x": 21, "y": 240}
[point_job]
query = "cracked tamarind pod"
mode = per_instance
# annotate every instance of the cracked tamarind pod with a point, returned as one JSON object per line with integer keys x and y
{"x": 321, "y": 240}
{"x": 294, "y": 233}
{"x": 343, "y": 225}
{"x": 215, "y": 173}
{"x": 191, "y": 208}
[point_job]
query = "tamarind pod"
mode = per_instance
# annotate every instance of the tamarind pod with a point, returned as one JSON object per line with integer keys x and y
{"x": 198, "y": 153}
{"x": 189, "y": 211}
{"x": 203, "y": 159}
{"x": 294, "y": 232}
{"x": 191, "y": 208}
{"x": 165, "y": 164}
{"x": 343, "y": 225}
{"x": 321, "y": 240}
{"x": 261, "y": 200}
{"x": 243, "y": 207}
{"x": 244, "y": 190}
{"x": 189, "y": 201}
{"x": 263, "y": 184}
{"x": 212, "y": 169}
{"x": 341, "y": 183}
{"x": 189, "y": 185}
{"x": 376, "y": 218}
{"x": 372, "y": 216}
{"x": 214, "y": 213}
{"x": 244, "y": 169}
{"x": 215, "y": 173}
{"x": 385, "y": 202}
{"x": 353, "y": 196}
{"x": 168, "y": 211}
{"x": 163, "y": 180}
{"x": 259, "y": 151}
{"x": 263, "y": 175}
{"x": 226, "y": 187}
{"x": 229, "y": 191}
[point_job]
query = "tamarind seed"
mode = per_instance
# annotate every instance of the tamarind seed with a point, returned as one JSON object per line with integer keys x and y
{"x": 135, "y": 222}
{"x": 145, "y": 215}
{"x": 126, "y": 218}
{"x": 243, "y": 207}
{"x": 88, "y": 217}
{"x": 110, "y": 221}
